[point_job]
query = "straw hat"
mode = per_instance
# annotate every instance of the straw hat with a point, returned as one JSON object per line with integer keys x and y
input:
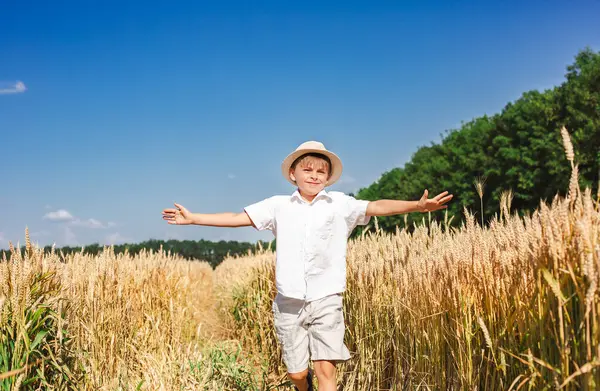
{"x": 312, "y": 147}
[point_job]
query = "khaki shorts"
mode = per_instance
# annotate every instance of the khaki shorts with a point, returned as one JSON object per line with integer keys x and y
{"x": 316, "y": 327}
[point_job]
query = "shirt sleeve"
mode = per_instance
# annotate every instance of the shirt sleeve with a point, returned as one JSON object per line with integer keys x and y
{"x": 262, "y": 214}
{"x": 356, "y": 212}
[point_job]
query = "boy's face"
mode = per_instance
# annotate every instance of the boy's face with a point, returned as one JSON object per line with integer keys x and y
{"x": 311, "y": 178}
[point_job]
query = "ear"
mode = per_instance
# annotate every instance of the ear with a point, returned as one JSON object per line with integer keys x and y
{"x": 292, "y": 176}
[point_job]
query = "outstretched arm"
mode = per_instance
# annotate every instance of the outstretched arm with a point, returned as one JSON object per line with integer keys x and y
{"x": 182, "y": 216}
{"x": 394, "y": 207}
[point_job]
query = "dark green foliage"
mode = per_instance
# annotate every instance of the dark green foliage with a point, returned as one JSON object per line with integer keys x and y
{"x": 519, "y": 149}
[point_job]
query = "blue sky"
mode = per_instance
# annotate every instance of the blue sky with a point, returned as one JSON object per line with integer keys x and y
{"x": 111, "y": 111}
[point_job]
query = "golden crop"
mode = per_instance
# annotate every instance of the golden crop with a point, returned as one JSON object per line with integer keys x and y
{"x": 514, "y": 305}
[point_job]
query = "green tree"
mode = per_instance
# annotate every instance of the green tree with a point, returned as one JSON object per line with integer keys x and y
{"x": 519, "y": 149}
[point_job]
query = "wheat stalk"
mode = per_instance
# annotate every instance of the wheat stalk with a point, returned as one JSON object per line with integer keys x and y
{"x": 479, "y": 184}
{"x": 506, "y": 198}
{"x": 566, "y": 139}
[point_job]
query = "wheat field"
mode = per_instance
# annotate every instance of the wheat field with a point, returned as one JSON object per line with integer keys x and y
{"x": 513, "y": 305}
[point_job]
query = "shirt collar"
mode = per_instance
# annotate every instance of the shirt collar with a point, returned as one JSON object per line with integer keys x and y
{"x": 322, "y": 193}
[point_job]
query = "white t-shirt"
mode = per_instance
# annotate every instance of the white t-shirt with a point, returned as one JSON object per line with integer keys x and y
{"x": 311, "y": 240}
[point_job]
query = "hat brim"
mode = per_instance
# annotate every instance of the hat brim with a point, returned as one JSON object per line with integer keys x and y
{"x": 336, "y": 164}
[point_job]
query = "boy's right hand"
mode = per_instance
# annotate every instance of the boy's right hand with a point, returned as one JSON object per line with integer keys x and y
{"x": 179, "y": 216}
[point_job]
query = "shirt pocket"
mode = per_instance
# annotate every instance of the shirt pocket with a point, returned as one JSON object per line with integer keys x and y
{"x": 323, "y": 225}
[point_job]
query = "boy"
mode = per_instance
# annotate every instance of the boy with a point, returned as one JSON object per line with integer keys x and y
{"x": 312, "y": 227}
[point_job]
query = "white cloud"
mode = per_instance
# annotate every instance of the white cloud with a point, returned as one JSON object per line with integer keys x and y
{"x": 231, "y": 176}
{"x": 59, "y": 215}
{"x": 89, "y": 223}
{"x": 14, "y": 87}
{"x": 63, "y": 215}
{"x": 2, "y": 238}
{"x": 117, "y": 238}
{"x": 94, "y": 223}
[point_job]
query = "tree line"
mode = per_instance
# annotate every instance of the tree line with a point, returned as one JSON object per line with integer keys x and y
{"x": 205, "y": 250}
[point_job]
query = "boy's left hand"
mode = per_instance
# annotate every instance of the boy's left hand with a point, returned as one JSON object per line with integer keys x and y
{"x": 436, "y": 203}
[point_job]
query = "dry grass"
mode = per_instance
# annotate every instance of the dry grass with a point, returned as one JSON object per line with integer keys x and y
{"x": 137, "y": 317}
{"x": 120, "y": 322}
{"x": 140, "y": 322}
{"x": 511, "y": 306}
